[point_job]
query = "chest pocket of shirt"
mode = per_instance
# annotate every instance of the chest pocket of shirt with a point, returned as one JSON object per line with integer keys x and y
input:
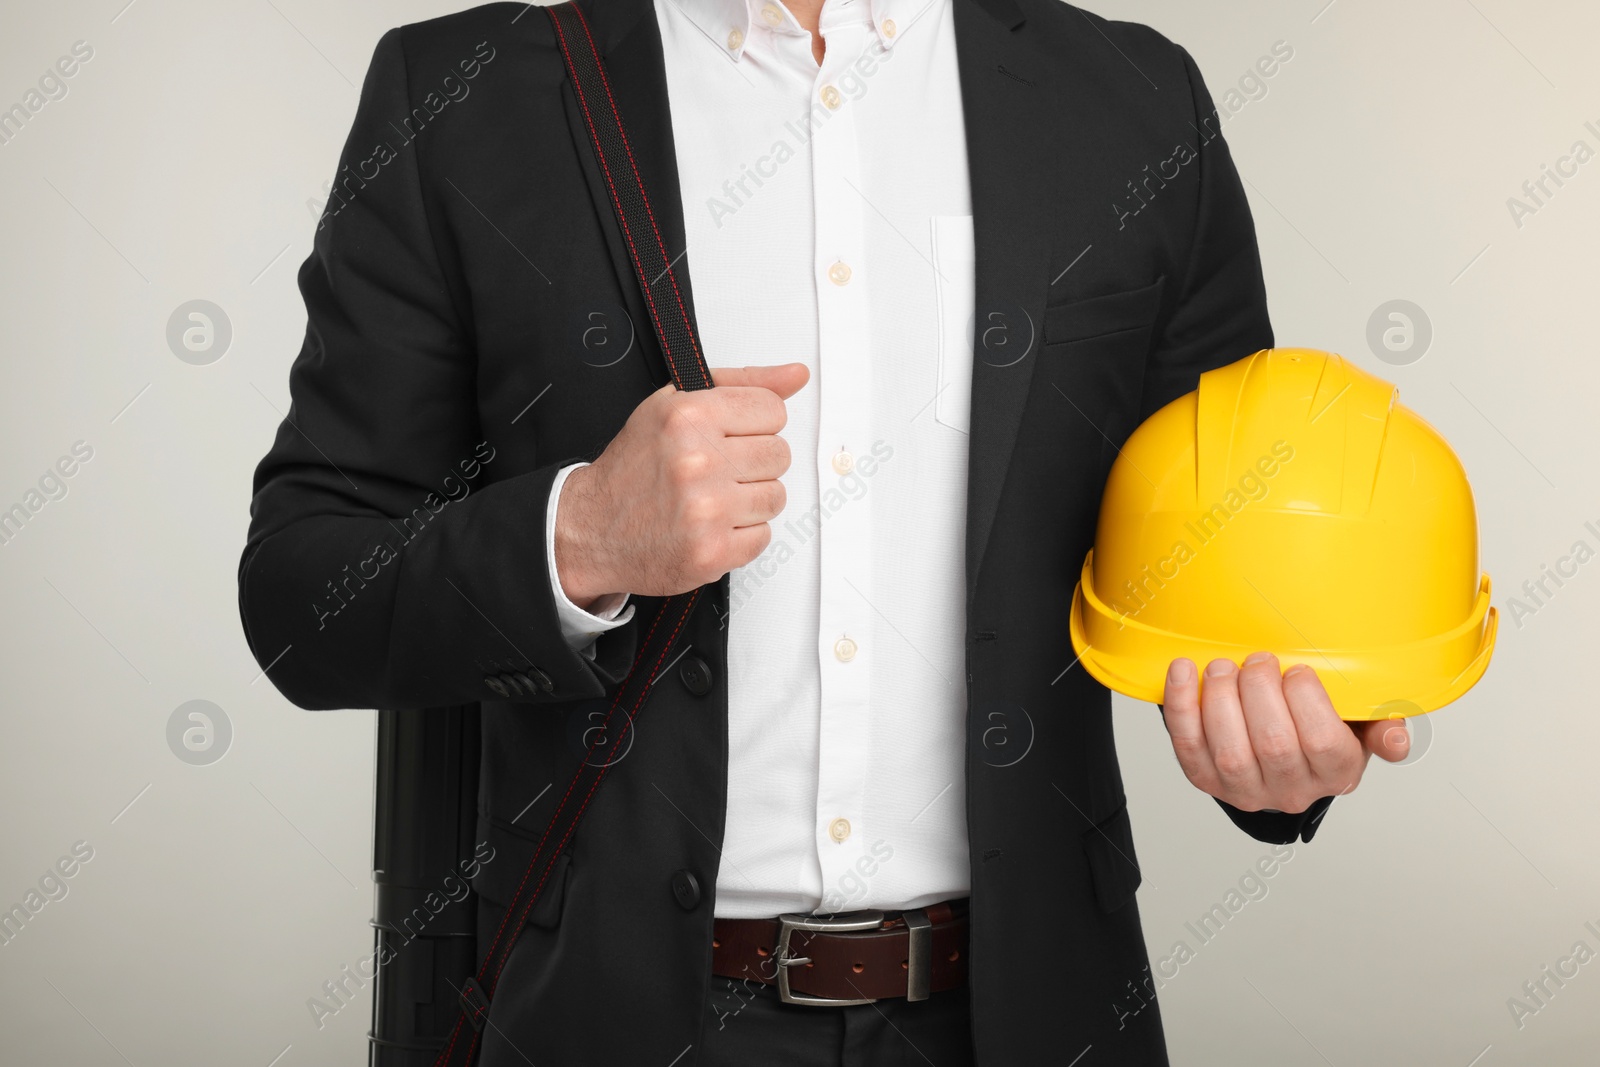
{"x": 955, "y": 283}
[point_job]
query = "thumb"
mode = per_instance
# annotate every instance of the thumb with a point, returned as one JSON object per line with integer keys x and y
{"x": 785, "y": 379}
{"x": 1388, "y": 739}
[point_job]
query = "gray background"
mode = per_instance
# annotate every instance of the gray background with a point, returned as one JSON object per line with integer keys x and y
{"x": 219, "y": 898}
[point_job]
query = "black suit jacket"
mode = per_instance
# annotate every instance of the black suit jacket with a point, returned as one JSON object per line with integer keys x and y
{"x": 397, "y": 551}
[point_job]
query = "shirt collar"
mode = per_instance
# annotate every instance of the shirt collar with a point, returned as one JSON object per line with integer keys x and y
{"x": 729, "y": 23}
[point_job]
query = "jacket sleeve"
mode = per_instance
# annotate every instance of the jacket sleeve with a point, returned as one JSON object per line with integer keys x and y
{"x": 1279, "y": 827}
{"x": 1220, "y": 316}
{"x": 1220, "y": 312}
{"x": 384, "y": 566}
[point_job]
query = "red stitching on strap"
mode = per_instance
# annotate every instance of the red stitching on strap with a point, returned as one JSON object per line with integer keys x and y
{"x": 692, "y": 598}
{"x": 627, "y": 233}
{"x": 628, "y": 147}
{"x": 621, "y": 733}
{"x": 644, "y": 648}
{"x": 672, "y": 276}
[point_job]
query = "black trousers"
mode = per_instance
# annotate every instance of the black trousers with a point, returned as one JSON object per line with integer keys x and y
{"x": 751, "y": 1027}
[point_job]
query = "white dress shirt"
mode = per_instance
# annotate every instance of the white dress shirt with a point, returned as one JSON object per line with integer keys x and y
{"x": 829, "y": 222}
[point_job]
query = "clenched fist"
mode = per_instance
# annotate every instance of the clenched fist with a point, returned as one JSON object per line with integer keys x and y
{"x": 684, "y": 493}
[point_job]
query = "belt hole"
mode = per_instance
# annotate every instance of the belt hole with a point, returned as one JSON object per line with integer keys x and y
{"x": 905, "y": 965}
{"x": 858, "y": 967}
{"x": 715, "y": 943}
{"x": 762, "y": 952}
{"x": 955, "y": 955}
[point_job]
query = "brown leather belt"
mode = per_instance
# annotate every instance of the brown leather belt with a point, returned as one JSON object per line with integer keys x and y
{"x": 855, "y": 958}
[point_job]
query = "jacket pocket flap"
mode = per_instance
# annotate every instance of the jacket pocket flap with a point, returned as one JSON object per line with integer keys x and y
{"x": 1096, "y": 315}
{"x": 500, "y": 879}
{"x": 1109, "y": 847}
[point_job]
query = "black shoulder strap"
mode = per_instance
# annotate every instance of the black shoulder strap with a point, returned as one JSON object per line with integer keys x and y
{"x": 651, "y": 261}
{"x": 674, "y": 329}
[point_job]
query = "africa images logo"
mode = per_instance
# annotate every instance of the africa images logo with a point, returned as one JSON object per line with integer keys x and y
{"x": 348, "y": 183}
{"x": 1252, "y": 489}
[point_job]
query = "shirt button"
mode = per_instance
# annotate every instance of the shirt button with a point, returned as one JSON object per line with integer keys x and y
{"x": 839, "y": 830}
{"x": 735, "y": 39}
{"x": 843, "y": 461}
{"x": 771, "y": 15}
{"x": 888, "y": 27}
{"x": 831, "y": 98}
{"x": 839, "y": 273}
{"x": 844, "y": 650}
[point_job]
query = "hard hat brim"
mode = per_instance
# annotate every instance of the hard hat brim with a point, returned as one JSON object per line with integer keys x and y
{"x": 1397, "y": 681}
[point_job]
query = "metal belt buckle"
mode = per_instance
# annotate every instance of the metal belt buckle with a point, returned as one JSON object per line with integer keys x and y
{"x": 918, "y": 963}
{"x": 788, "y": 924}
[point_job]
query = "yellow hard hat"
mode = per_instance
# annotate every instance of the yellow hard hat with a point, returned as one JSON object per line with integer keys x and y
{"x": 1289, "y": 505}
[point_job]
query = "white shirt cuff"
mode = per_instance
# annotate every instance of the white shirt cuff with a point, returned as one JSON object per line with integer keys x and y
{"x": 580, "y": 628}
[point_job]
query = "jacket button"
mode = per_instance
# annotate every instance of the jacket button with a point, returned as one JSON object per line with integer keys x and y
{"x": 497, "y": 686}
{"x": 695, "y": 673}
{"x": 686, "y": 888}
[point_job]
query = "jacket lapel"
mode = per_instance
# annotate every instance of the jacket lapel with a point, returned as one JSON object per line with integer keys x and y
{"x": 629, "y": 39}
{"x": 1012, "y": 178}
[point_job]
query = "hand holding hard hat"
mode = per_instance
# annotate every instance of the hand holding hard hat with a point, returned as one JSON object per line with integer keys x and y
{"x": 1290, "y": 507}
